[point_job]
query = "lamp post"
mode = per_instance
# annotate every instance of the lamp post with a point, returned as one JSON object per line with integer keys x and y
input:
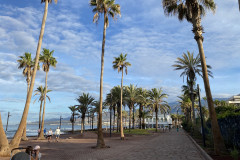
{"x": 7, "y": 120}
{"x": 203, "y": 132}
{"x": 60, "y": 121}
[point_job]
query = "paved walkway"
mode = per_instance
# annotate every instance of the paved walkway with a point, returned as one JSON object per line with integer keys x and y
{"x": 163, "y": 146}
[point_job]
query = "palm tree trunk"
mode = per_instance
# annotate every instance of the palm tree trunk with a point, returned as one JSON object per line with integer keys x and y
{"x": 140, "y": 115}
{"x": 219, "y": 146}
{"x": 41, "y": 135}
{"x": 4, "y": 147}
{"x": 121, "y": 124}
{"x": 82, "y": 123}
{"x": 24, "y": 135}
{"x": 156, "y": 111}
{"x": 40, "y": 114}
{"x": 133, "y": 117}
{"x": 239, "y": 4}
{"x": 130, "y": 118}
{"x": 17, "y": 137}
{"x": 100, "y": 140}
{"x": 192, "y": 99}
{"x": 114, "y": 117}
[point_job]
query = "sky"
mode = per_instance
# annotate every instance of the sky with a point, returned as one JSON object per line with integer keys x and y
{"x": 151, "y": 40}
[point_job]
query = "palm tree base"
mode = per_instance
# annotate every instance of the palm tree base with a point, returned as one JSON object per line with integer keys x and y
{"x": 24, "y": 139}
{"x": 100, "y": 147}
{"x": 5, "y": 152}
{"x": 122, "y": 138}
{"x": 41, "y": 138}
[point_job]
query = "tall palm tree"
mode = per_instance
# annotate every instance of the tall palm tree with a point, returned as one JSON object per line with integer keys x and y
{"x": 156, "y": 97}
{"x": 40, "y": 91}
{"x": 193, "y": 11}
{"x": 120, "y": 63}
{"x": 191, "y": 66}
{"x": 17, "y": 137}
{"x": 85, "y": 100}
{"x": 107, "y": 8}
{"x": 48, "y": 60}
{"x": 74, "y": 113}
{"x": 27, "y": 64}
{"x": 132, "y": 98}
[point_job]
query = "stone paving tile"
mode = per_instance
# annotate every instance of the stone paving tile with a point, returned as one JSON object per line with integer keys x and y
{"x": 163, "y": 146}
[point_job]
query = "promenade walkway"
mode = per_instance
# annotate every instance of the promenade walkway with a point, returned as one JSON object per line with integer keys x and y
{"x": 162, "y": 146}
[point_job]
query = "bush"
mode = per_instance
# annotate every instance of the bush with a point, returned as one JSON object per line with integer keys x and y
{"x": 235, "y": 154}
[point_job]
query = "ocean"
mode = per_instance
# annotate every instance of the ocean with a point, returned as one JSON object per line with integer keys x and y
{"x": 32, "y": 129}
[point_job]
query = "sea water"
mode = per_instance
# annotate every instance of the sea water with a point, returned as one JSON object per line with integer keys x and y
{"x": 32, "y": 129}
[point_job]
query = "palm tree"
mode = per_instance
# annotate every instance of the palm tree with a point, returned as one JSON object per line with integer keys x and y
{"x": 120, "y": 63}
{"x": 85, "y": 100}
{"x": 17, "y": 137}
{"x": 40, "y": 91}
{"x": 192, "y": 11}
{"x": 132, "y": 98}
{"x": 27, "y": 64}
{"x": 190, "y": 66}
{"x": 108, "y": 8}
{"x": 185, "y": 104}
{"x": 73, "y": 109}
{"x": 156, "y": 97}
{"x": 142, "y": 102}
{"x": 48, "y": 60}
{"x": 116, "y": 93}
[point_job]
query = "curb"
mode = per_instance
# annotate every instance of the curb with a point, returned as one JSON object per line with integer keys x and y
{"x": 202, "y": 152}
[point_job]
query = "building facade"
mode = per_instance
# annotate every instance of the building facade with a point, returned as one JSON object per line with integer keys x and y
{"x": 163, "y": 121}
{"x": 234, "y": 100}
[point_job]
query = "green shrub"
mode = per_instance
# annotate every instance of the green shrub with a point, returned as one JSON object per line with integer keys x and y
{"x": 235, "y": 154}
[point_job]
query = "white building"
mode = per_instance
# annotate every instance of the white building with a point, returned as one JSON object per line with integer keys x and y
{"x": 163, "y": 121}
{"x": 234, "y": 100}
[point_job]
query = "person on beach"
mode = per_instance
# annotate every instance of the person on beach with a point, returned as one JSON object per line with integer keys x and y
{"x": 57, "y": 133}
{"x": 45, "y": 132}
{"x": 38, "y": 132}
{"x": 50, "y": 133}
{"x": 36, "y": 153}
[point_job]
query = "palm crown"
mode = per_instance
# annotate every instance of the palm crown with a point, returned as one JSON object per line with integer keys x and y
{"x": 185, "y": 8}
{"x": 47, "y": 59}
{"x": 105, "y": 6}
{"x": 49, "y": 1}
{"x": 120, "y": 63}
{"x": 26, "y": 63}
{"x": 40, "y": 91}
{"x": 85, "y": 100}
{"x": 190, "y": 66}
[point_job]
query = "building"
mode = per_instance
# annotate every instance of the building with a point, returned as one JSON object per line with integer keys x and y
{"x": 163, "y": 121}
{"x": 234, "y": 100}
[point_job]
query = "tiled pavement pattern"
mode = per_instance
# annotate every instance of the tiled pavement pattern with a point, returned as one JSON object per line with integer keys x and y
{"x": 164, "y": 146}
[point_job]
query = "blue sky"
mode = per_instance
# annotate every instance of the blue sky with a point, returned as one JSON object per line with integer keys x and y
{"x": 151, "y": 40}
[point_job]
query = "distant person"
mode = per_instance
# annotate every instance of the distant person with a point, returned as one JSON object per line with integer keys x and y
{"x": 45, "y": 132}
{"x": 57, "y": 133}
{"x": 38, "y": 132}
{"x": 36, "y": 153}
{"x": 50, "y": 133}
